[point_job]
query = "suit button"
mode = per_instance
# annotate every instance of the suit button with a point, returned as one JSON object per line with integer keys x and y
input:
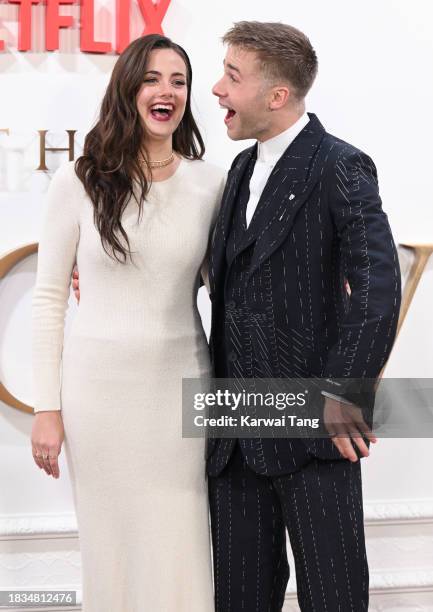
{"x": 232, "y": 356}
{"x": 231, "y": 304}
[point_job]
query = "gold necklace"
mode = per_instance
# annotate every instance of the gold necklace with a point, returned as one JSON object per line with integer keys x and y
{"x": 157, "y": 164}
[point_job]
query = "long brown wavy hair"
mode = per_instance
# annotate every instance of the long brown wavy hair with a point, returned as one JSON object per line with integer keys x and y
{"x": 109, "y": 162}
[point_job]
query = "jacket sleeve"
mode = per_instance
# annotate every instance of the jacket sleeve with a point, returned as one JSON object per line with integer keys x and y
{"x": 56, "y": 257}
{"x": 369, "y": 257}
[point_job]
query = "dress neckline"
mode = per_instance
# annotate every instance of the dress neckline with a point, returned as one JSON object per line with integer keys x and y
{"x": 171, "y": 178}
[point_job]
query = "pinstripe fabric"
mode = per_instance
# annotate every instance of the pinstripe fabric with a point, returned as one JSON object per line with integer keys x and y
{"x": 321, "y": 508}
{"x": 281, "y": 282}
{"x": 280, "y": 309}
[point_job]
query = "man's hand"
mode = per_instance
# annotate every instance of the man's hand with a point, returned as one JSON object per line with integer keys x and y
{"x": 76, "y": 283}
{"x": 345, "y": 424}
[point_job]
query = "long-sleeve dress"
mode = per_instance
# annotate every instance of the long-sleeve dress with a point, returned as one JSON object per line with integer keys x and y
{"x": 139, "y": 488}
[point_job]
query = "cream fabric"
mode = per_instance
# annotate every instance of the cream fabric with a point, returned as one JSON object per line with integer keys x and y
{"x": 139, "y": 487}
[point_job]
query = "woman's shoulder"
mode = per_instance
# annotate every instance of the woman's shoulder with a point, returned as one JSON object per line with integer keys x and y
{"x": 208, "y": 181}
{"x": 65, "y": 175}
{"x": 66, "y": 179}
{"x": 206, "y": 172}
{"x": 66, "y": 188}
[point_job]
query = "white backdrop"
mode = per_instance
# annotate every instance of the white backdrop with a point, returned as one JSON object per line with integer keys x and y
{"x": 374, "y": 89}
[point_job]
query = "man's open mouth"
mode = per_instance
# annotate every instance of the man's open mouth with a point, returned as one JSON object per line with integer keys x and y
{"x": 230, "y": 114}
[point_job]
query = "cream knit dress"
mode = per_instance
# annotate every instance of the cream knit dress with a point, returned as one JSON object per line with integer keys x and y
{"x": 139, "y": 488}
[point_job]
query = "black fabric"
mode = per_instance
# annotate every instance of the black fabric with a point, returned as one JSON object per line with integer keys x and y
{"x": 320, "y": 505}
{"x": 280, "y": 308}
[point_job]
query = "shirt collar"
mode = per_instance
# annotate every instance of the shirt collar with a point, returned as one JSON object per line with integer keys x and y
{"x": 271, "y": 150}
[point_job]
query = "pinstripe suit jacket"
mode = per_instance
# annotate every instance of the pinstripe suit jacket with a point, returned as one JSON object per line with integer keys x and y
{"x": 319, "y": 222}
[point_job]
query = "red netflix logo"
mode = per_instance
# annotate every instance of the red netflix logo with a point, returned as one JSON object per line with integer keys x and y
{"x": 153, "y": 14}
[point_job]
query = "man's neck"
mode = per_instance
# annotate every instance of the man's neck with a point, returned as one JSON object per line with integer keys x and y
{"x": 283, "y": 124}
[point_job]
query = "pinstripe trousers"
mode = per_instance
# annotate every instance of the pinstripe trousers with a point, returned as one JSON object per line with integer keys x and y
{"x": 320, "y": 505}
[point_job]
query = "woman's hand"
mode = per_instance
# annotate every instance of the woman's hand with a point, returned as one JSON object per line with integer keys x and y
{"x": 47, "y": 437}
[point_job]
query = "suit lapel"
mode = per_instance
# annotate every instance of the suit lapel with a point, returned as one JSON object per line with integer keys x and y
{"x": 223, "y": 223}
{"x": 287, "y": 189}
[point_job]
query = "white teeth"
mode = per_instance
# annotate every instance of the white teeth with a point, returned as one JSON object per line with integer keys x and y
{"x": 162, "y": 107}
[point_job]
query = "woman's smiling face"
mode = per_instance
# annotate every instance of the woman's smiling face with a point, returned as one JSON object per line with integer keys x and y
{"x": 162, "y": 97}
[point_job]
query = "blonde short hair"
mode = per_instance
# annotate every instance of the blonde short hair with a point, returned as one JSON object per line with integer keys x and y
{"x": 285, "y": 53}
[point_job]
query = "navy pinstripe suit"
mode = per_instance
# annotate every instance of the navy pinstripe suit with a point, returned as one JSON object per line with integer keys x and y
{"x": 280, "y": 309}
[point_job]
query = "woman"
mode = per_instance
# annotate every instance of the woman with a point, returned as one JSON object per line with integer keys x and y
{"x": 135, "y": 212}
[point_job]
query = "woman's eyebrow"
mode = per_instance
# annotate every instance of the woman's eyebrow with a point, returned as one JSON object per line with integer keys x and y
{"x": 159, "y": 74}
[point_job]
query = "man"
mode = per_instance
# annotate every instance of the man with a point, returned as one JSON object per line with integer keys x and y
{"x": 300, "y": 216}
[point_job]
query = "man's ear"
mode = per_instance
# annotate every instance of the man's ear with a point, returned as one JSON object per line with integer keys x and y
{"x": 279, "y": 97}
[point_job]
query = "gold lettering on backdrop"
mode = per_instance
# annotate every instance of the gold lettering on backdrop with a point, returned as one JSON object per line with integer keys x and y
{"x": 421, "y": 252}
{"x": 44, "y": 148}
{"x": 7, "y": 262}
